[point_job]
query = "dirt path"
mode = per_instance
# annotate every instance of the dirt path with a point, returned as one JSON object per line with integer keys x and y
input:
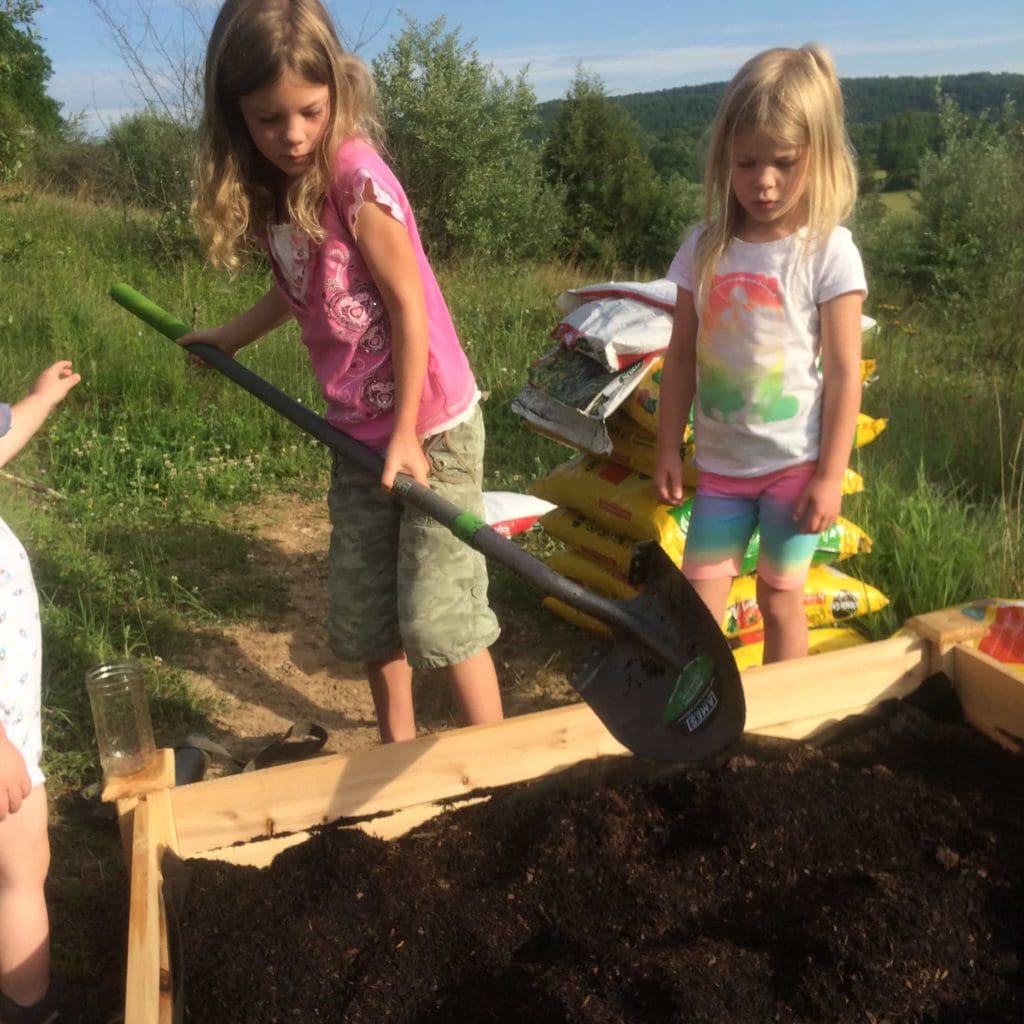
{"x": 267, "y": 674}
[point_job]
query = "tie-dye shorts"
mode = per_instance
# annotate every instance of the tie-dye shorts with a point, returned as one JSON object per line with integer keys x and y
{"x": 727, "y": 510}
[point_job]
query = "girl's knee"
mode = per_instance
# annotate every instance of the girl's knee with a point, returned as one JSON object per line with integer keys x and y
{"x": 777, "y": 603}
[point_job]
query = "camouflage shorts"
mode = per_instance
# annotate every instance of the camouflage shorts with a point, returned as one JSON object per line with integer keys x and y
{"x": 398, "y": 580}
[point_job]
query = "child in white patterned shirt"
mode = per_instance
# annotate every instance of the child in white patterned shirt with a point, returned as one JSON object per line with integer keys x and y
{"x": 28, "y": 994}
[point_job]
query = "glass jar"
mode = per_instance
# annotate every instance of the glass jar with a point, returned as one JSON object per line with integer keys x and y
{"x": 120, "y": 712}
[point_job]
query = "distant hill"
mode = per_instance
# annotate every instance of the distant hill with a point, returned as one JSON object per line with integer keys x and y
{"x": 892, "y": 121}
{"x": 688, "y": 109}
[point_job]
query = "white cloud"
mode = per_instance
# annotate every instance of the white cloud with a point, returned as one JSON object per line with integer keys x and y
{"x": 633, "y": 67}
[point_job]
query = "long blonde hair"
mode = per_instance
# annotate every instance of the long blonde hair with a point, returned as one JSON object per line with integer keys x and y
{"x": 237, "y": 190}
{"x": 792, "y": 96}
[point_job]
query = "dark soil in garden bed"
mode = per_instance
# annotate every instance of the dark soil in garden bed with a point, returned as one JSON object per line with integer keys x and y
{"x": 877, "y": 879}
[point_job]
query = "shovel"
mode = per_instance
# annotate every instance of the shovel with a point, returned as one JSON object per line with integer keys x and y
{"x": 668, "y": 689}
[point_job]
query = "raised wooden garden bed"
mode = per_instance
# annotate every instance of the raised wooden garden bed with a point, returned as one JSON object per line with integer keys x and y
{"x": 248, "y": 819}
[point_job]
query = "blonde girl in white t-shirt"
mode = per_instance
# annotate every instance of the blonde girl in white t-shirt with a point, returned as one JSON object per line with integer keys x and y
{"x": 766, "y": 339}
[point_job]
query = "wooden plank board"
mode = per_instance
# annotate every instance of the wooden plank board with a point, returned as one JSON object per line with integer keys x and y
{"x": 142, "y": 989}
{"x": 293, "y": 797}
{"x": 793, "y": 698}
{"x": 147, "y": 996}
{"x": 992, "y": 696}
{"x": 259, "y": 853}
{"x": 947, "y": 627}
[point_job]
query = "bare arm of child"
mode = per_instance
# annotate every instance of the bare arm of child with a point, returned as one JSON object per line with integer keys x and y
{"x": 266, "y": 313}
{"x": 15, "y": 785}
{"x": 385, "y": 245}
{"x": 28, "y": 415}
{"x": 819, "y": 505}
{"x": 678, "y": 387}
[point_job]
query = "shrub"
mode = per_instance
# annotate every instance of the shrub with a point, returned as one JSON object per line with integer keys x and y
{"x": 457, "y": 137}
{"x": 617, "y": 210}
{"x": 971, "y": 227}
{"x": 149, "y": 163}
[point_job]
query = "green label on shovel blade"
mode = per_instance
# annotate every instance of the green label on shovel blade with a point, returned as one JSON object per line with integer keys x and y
{"x": 691, "y": 684}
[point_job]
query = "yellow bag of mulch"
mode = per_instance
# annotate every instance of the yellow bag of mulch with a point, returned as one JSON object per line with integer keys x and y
{"x": 825, "y": 638}
{"x": 624, "y": 555}
{"x": 642, "y": 404}
{"x": 612, "y": 550}
{"x": 593, "y": 576}
{"x": 637, "y": 448}
{"x": 575, "y": 617}
{"x": 830, "y": 596}
{"x": 868, "y": 428}
{"x": 619, "y": 499}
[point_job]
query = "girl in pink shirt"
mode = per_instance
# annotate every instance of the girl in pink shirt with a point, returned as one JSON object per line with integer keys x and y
{"x": 288, "y": 163}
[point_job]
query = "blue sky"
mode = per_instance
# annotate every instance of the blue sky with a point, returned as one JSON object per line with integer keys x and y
{"x": 633, "y": 47}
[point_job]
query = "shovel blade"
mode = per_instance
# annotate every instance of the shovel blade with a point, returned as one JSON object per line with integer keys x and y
{"x": 684, "y": 703}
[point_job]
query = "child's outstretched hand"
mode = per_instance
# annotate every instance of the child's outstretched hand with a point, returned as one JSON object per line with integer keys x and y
{"x": 404, "y": 455}
{"x": 15, "y": 785}
{"x": 818, "y": 507}
{"x": 53, "y": 384}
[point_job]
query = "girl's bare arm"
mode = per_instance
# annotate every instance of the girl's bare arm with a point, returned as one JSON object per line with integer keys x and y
{"x": 678, "y": 387}
{"x": 819, "y": 506}
{"x": 28, "y": 415}
{"x": 268, "y": 312}
{"x": 385, "y": 245}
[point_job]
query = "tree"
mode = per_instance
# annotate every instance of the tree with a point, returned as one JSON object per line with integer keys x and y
{"x": 457, "y": 137}
{"x": 26, "y": 112}
{"x": 971, "y": 223}
{"x": 617, "y": 209}
{"x": 164, "y": 61}
{"x": 903, "y": 140}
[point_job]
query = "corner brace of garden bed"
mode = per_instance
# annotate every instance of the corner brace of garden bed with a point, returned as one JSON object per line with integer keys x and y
{"x": 146, "y": 821}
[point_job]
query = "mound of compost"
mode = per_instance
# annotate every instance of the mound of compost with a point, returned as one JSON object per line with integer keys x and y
{"x": 878, "y": 878}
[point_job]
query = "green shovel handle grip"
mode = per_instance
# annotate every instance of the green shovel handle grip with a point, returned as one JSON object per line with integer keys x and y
{"x": 149, "y": 312}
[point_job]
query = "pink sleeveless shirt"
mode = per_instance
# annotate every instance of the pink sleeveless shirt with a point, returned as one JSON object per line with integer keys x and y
{"x": 345, "y": 323}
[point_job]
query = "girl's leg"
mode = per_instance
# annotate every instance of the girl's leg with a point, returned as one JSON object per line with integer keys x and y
{"x": 474, "y": 683}
{"x": 361, "y": 586}
{"x": 785, "y": 623}
{"x": 24, "y": 922}
{"x": 719, "y": 531}
{"x": 783, "y": 563}
{"x": 445, "y": 617}
{"x": 715, "y": 594}
{"x": 391, "y": 687}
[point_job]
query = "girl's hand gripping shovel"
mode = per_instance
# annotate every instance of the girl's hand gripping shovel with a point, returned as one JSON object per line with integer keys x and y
{"x": 668, "y": 689}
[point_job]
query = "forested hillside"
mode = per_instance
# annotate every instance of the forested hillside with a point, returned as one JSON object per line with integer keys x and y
{"x": 892, "y": 120}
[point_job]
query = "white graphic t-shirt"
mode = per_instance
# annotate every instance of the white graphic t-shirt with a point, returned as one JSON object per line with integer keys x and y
{"x": 758, "y": 404}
